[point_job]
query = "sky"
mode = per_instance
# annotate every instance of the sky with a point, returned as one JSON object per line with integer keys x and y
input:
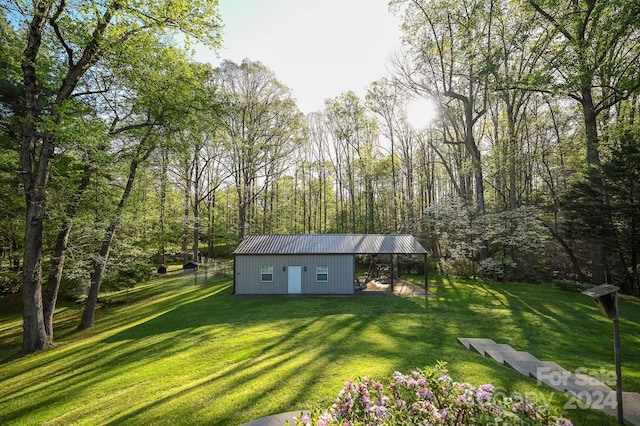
{"x": 318, "y": 48}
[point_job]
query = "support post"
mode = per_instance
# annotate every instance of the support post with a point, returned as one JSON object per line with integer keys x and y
{"x": 616, "y": 338}
{"x": 392, "y": 273}
{"x": 426, "y": 281}
{"x": 606, "y": 297}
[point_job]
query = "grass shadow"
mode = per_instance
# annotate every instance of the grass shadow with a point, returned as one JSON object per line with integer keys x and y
{"x": 194, "y": 354}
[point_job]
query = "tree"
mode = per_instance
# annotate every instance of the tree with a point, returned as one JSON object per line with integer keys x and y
{"x": 621, "y": 174}
{"x": 83, "y": 34}
{"x": 354, "y": 136}
{"x": 384, "y": 98}
{"x": 445, "y": 41}
{"x": 319, "y": 145}
{"x": 164, "y": 98}
{"x": 594, "y": 61}
{"x": 620, "y": 233}
{"x": 262, "y": 125}
{"x": 516, "y": 51}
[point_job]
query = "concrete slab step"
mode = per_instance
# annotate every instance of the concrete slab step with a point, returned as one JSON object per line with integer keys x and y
{"x": 500, "y": 354}
{"x": 522, "y": 361}
{"x": 526, "y": 368}
{"x": 576, "y": 383}
{"x": 631, "y": 407}
{"x": 483, "y": 346}
{"x": 471, "y": 342}
{"x": 276, "y": 419}
{"x": 521, "y": 356}
{"x": 551, "y": 374}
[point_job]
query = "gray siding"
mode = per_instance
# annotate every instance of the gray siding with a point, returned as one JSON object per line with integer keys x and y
{"x": 248, "y": 268}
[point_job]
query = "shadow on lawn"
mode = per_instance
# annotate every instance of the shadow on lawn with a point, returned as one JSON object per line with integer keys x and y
{"x": 331, "y": 327}
{"x": 334, "y": 328}
{"x": 241, "y": 358}
{"x": 437, "y": 334}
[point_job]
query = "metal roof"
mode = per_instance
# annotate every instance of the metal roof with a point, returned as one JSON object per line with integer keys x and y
{"x": 329, "y": 244}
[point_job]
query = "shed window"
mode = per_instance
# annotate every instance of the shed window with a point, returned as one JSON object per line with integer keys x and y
{"x": 266, "y": 273}
{"x": 322, "y": 273}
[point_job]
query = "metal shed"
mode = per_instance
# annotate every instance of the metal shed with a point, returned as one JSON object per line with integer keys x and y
{"x": 309, "y": 263}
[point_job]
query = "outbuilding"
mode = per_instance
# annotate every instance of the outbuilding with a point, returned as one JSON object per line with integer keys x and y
{"x": 309, "y": 263}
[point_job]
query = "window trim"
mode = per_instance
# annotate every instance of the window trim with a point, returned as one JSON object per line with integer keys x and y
{"x": 263, "y": 273}
{"x": 325, "y": 273}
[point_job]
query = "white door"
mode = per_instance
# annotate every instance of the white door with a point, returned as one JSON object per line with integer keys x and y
{"x": 295, "y": 279}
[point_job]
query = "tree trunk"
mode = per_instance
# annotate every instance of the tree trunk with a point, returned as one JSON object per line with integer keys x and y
{"x": 59, "y": 254}
{"x": 512, "y": 146}
{"x": 242, "y": 214}
{"x": 211, "y": 205}
{"x": 476, "y": 162}
{"x": 196, "y": 206}
{"x": 35, "y": 337}
{"x": 163, "y": 201}
{"x": 100, "y": 262}
{"x": 572, "y": 257}
{"x": 370, "y": 205}
{"x": 598, "y": 253}
{"x": 185, "y": 218}
{"x": 36, "y": 173}
{"x": 393, "y": 178}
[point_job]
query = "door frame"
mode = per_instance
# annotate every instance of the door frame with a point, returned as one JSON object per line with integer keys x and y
{"x": 297, "y": 287}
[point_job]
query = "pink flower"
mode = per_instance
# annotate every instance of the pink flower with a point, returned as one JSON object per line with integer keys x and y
{"x": 305, "y": 419}
{"x": 444, "y": 414}
{"x": 425, "y": 393}
{"x": 484, "y": 393}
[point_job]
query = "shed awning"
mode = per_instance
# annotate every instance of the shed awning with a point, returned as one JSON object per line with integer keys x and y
{"x": 329, "y": 244}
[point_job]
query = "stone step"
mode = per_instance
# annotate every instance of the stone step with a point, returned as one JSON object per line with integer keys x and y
{"x": 551, "y": 374}
{"x": 581, "y": 382}
{"x": 522, "y": 361}
{"x": 500, "y": 354}
{"x": 470, "y": 342}
{"x": 484, "y": 346}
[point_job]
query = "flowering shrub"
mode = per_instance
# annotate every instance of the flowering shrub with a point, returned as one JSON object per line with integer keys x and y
{"x": 427, "y": 397}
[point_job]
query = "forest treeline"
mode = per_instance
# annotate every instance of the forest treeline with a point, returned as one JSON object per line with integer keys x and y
{"x": 121, "y": 152}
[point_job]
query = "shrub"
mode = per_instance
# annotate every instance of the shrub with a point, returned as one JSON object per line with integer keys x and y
{"x": 10, "y": 281}
{"x": 497, "y": 269}
{"x": 428, "y": 396}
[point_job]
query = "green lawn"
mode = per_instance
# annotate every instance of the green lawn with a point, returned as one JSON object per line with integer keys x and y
{"x": 170, "y": 352}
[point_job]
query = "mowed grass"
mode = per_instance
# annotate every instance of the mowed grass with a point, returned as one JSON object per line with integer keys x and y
{"x": 170, "y": 352}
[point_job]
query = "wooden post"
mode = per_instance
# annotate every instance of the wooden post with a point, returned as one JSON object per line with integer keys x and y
{"x": 616, "y": 338}
{"x": 426, "y": 281}
{"x": 392, "y": 255}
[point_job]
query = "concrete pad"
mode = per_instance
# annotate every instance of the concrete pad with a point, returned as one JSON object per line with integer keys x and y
{"x": 276, "y": 419}
{"x": 631, "y": 407}
{"x": 608, "y": 402}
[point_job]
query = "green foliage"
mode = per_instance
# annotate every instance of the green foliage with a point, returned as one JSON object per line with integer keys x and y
{"x": 621, "y": 234}
{"x": 10, "y": 281}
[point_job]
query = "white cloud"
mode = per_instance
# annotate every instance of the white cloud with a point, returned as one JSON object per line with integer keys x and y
{"x": 318, "y": 48}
